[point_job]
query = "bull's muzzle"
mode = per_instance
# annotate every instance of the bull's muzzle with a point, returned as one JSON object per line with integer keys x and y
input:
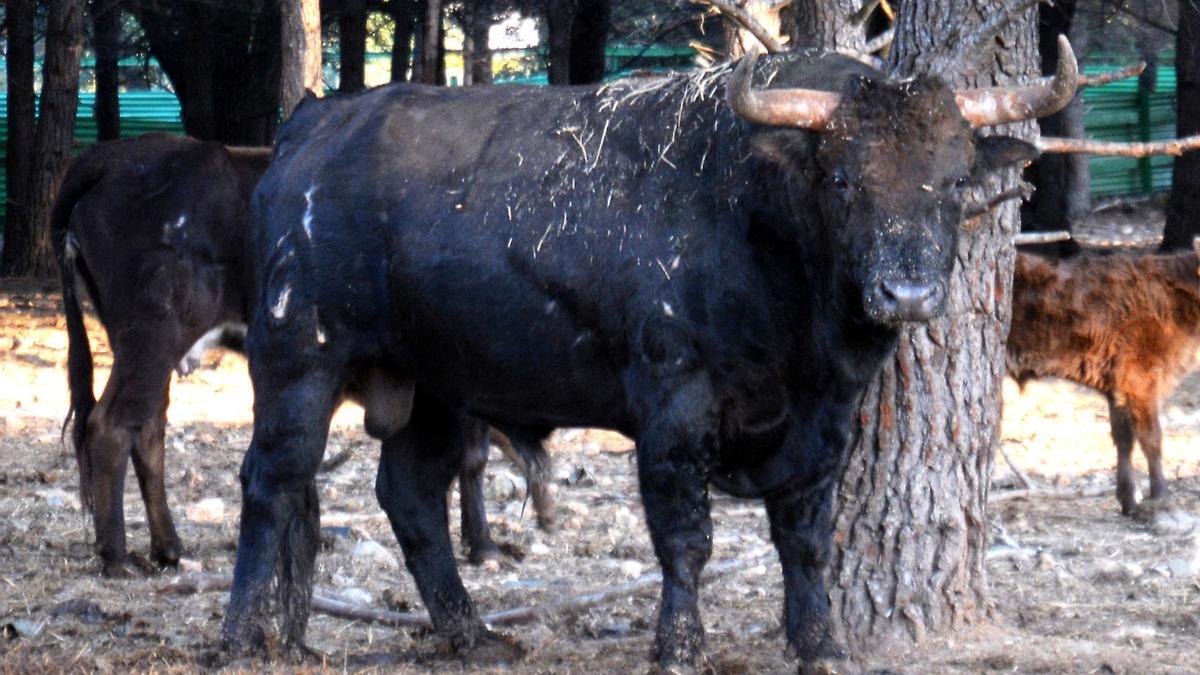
{"x": 897, "y": 300}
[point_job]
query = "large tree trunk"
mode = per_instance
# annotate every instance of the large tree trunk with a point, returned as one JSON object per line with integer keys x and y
{"x": 352, "y": 36}
{"x": 824, "y": 25}
{"x": 589, "y": 38}
{"x": 402, "y": 34}
{"x": 301, "y": 52}
{"x": 1063, "y": 181}
{"x": 431, "y": 42}
{"x": 20, "y": 14}
{"x": 911, "y": 517}
{"x": 54, "y": 136}
{"x": 106, "y": 22}
{"x": 1183, "y": 207}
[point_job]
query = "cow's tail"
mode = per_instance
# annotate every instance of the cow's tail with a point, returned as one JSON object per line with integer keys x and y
{"x": 82, "y": 176}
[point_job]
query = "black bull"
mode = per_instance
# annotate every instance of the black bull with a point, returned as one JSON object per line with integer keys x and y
{"x": 155, "y": 229}
{"x": 635, "y": 257}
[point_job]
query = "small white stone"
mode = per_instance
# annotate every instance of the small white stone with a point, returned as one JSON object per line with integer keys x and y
{"x": 190, "y": 565}
{"x": 209, "y": 511}
{"x": 372, "y": 551}
{"x": 538, "y": 548}
{"x": 631, "y": 568}
{"x": 355, "y": 595}
{"x": 57, "y": 498}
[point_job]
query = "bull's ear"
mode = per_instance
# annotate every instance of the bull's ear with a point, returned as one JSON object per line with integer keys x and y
{"x": 998, "y": 152}
{"x": 785, "y": 148}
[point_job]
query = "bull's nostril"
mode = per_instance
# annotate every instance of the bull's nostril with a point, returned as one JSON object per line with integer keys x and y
{"x": 904, "y": 293}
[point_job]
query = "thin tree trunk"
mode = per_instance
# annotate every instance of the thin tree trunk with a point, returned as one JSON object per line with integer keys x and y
{"x": 106, "y": 22}
{"x": 20, "y": 14}
{"x": 431, "y": 43}
{"x": 1183, "y": 206}
{"x": 402, "y": 35}
{"x": 768, "y": 14}
{"x": 911, "y": 516}
{"x": 301, "y": 50}
{"x": 55, "y": 131}
{"x": 589, "y": 38}
{"x": 352, "y": 34}
{"x": 480, "y": 66}
{"x": 558, "y": 40}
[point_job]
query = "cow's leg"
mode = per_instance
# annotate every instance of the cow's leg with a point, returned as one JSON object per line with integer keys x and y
{"x": 107, "y": 448}
{"x": 416, "y": 467}
{"x": 278, "y": 537}
{"x": 530, "y": 458}
{"x": 801, "y": 528}
{"x": 1149, "y": 436}
{"x": 475, "y": 533}
{"x": 1121, "y": 422}
{"x": 148, "y": 458}
{"x": 675, "y": 455}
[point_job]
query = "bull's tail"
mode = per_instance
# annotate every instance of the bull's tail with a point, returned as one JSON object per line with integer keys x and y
{"x": 82, "y": 176}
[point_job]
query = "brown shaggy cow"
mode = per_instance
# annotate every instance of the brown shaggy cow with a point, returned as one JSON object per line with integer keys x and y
{"x": 1124, "y": 325}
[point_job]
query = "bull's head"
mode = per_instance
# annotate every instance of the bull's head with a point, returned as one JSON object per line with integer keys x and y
{"x": 891, "y": 166}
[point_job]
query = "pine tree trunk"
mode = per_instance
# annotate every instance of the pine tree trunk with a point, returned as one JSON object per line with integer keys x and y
{"x": 352, "y": 35}
{"x": 301, "y": 52}
{"x": 52, "y": 143}
{"x": 431, "y": 44}
{"x": 1183, "y": 207}
{"x": 589, "y": 38}
{"x": 106, "y": 22}
{"x": 480, "y": 65}
{"x": 402, "y": 35}
{"x": 558, "y": 17}
{"x": 20, "y": 14}
{"x": 911, "y": 518}
{"x": 824, "y": 25}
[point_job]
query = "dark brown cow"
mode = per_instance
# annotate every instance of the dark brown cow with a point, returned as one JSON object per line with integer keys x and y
{"x": 1126, "y": 326}
{"x": 154, "y": 228}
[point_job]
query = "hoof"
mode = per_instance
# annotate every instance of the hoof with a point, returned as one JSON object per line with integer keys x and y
{"x": 122, "y": 568}
{"x": 1149, "y": 508}
{"x": 168, "y": 556}
{"x": 822, "y": 654}
{"x": 481, "y": 648}
{"x": 480, "y": 556}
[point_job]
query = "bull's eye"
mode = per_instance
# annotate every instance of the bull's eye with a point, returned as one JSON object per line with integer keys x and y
{"x": 961, "y": 182}
{"x": 839, "y": 182}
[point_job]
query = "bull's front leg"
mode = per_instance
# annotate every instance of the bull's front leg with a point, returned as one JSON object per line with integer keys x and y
{"x": 674, "y": 460}
{"x": 801, "y": 529}
{"x": 278, "y": 537}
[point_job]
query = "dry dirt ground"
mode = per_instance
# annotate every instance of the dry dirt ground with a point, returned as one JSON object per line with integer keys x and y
{"x": 1077, "y": 587}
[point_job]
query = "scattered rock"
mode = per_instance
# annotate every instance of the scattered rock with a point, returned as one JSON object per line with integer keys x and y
{"x": 190, "y": 565}
{"x": 631, "y": 568}
{"x": 355, "y": 595}
{"x": 58, "y": 499}
{"x": 504, "y": 485}
{"x": 369, "y": 550}
{"x": 1173, "y": 521}
{"x": 581, "y": 477}
{"x": 1113, "y": 571}
{"x": 538, "y": 548}
{"x": 209, "y": 511}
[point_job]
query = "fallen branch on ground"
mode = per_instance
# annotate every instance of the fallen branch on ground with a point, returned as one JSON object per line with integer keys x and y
{"x": 1040, "y": 493}
{"x": 1013, "y": 465}
{"x": 321, "y": 602}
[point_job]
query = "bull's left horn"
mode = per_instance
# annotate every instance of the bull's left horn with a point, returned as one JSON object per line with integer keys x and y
{"x": 798, "y": 108}
{"x": 1000, "y": 105}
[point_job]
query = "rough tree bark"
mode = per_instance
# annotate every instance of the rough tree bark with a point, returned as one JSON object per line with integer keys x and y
{"x": 20, "y": 14}
{"x": 911, "y": 518}
{"x": 106, "y": 23}
{"x": 1183, "y": 206}
{"x": 352, "y": 38}
{"x": 589, "y": 38}
{"x": 301, "y": 51}
{"x": 33, "y": 253}
{"x": 824, "y": 25}
{"x": 1062, "y": 181}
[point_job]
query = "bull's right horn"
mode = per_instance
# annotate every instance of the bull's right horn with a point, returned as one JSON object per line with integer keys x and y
{"x": 1000, "y": 105}
{"x": 797, "y": 108}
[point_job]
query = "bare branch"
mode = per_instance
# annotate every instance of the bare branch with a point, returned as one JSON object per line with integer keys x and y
{"x": 1022, "y": 191}
{"x": 1176, "y": 146}
{"x": 864, "y": 12}
{"x": 880, "y": 41}
{"x": 745, "y": 20}
{"x": 1100, "y": 79}
{"x": 1022, "y": 239}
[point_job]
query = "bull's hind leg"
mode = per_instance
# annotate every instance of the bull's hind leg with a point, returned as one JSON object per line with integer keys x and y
{"x": 1149, "y": 436}
{"x": 148, "y": 464}
{"x": 415, "y": 470}
{"x": 1121, "y": 422}
{"x": 107, "y": 448}
{"x": 278, "y": 537}
{"x": 475, "y": 533}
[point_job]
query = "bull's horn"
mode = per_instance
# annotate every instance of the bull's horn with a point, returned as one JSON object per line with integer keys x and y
{"x": 1000, "y": 105}
{"x": 799, "y": 108}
